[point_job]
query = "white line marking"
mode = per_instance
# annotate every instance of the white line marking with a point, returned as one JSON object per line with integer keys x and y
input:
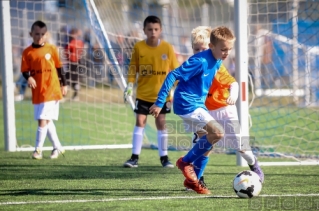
{"x": 140, "y": 199}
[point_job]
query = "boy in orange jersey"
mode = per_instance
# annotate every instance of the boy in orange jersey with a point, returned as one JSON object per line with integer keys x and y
{"x": 152, "y": 60}
{"x": 42, "y": 68}
{"x": 74, "y": 51}
{"x": 220, "y": 103}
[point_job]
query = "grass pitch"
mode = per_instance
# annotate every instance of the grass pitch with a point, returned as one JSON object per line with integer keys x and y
{"x": 96, "y": 180}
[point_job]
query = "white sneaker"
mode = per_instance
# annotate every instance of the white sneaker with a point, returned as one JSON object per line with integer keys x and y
{"x": 18, "y": 98}
{"x": 56, "y": 152}
{"x": 37, "y": 154}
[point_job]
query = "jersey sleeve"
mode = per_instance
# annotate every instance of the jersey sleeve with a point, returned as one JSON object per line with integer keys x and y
{"x": 133, "y": 67}
{"x": 166, "y": 87}
{"x": 173, "y": 60}
{"x": 193, "y": 66}
{"x": 25, "y": 66}
{"x": 226, "y": 78}
{"x": 56, "y": 57}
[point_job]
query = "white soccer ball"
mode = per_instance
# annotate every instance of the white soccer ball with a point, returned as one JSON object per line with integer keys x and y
{"x": 247, "y": 184}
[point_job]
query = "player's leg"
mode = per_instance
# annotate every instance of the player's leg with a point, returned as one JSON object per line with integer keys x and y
{"x": 233, "y": 132}
{"x": 75, "y": 81}
{"x": 41, "y": 133}
{"x": 52, "y": 133}
{"x": 195, "y": 121}
{"x": 141, "y": 110}
{"x": 201, "y": 163}
{"x": 214, "y": 133}
{"x": 162, "y": 136}
{"x": 22, "y": 86}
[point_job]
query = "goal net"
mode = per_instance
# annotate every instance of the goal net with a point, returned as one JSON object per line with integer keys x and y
{"x": 283, "y": 60}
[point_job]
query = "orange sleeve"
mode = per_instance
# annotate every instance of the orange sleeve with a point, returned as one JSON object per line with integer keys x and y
{"x": 225, "y": 78}
{"x": 133, "y": 67}
{"x": 56, "y": 57}
{"x": 25, "y": 66}
{"x": 219, "y": 90}
{"x": 172, "y": 57}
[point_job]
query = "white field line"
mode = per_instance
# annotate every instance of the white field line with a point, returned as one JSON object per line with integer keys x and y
{"x": 141, "y": 199}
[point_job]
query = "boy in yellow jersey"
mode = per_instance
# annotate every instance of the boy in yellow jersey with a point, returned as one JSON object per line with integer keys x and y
{"x": 152, "y": 59}
{"x": 42, "y": 68}
{"x": 220, "y": 103}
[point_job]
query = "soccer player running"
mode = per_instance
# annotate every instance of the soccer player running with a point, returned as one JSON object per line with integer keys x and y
{"x": 221, "y": 106}
{"x": 42, "y": 68}
{"x": 152, "y": 59}
{"x": 195, "y": 78}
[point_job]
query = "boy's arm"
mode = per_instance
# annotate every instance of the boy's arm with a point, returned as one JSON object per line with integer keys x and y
{"x": 173, "y": 61}
{"x": 25, "y": 67}
{"x": 187, "y": 70}
{"x": 232, "y": 83}
{"x": 59, "y": 66}
{"x": 25, "y": 70}
{"x": 61, "y": 76}
{"x": 133, "y": 67}
{"x": 166, "y": 87}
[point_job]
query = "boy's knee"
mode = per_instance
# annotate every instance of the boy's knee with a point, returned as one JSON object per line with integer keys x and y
{"x": 220, "y": 135}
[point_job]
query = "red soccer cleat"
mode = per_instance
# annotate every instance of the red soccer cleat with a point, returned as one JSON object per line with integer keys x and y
{"x": 187, "y": 169}
{"x": 198, "y": 186}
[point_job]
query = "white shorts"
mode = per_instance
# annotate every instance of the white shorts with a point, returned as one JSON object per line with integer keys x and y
{"x": 48, "y": 110}
{"x": 228, "y": 117}
{"x": 196, "y": 120}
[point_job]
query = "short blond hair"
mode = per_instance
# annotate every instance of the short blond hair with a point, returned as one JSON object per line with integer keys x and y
{"x": 201, "y": 35}
{"x": 221, "y": 33}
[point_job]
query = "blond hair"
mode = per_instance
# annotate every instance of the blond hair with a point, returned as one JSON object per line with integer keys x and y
{"x": 221, "y": 33}
{"x": 201, "y": 35}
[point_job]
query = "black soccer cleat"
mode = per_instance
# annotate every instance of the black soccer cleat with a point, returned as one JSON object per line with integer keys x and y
{"x": 131, "y": 163}
{"x": 166, "y": 163}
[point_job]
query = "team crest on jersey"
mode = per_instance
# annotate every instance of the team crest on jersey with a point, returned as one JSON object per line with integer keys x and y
{"x": 47, "y": 56}
{"x": 164, "y": 56}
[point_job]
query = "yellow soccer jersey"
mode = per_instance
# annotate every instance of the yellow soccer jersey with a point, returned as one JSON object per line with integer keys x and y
{"x": 149, "y": 66}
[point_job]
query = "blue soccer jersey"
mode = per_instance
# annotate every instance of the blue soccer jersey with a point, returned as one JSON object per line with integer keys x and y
{"x": 195, "y": 78}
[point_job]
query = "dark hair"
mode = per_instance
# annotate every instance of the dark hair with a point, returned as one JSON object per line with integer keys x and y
{"x": 40, "y": 24}
{"x": 152, "y": 19}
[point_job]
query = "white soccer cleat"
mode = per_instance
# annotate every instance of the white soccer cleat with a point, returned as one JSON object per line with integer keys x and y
{"x": 56, "y": 152}
{"x": 37, "y": 154}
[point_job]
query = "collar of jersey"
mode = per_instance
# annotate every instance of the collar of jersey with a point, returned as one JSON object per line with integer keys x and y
{"x": 37, "y": 46}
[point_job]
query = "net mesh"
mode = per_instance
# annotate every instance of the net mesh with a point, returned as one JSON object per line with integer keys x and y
{"x": 283, "y": 61}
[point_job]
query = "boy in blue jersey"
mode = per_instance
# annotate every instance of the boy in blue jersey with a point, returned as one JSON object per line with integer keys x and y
{"x": 195, "y": 77}
{"x": 220, "y": 103}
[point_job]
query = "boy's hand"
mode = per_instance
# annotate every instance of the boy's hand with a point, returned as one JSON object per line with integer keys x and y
{"x": 128, "y": 92}
{"x": 31, "y": 82}
{"x": 155, "y": 110}
{"x": 64, "y": 90}
{"x": 231, "y": 100}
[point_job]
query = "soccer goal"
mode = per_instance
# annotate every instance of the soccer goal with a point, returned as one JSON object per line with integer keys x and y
{"x": 278, "y": 103}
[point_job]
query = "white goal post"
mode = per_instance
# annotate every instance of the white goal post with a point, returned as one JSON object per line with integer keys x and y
{"x": 7, "y": 77}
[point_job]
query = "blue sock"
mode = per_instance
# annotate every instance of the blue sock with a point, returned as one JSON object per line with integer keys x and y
{"x": 198, "y": 150}
{"x": 200, "y": 165}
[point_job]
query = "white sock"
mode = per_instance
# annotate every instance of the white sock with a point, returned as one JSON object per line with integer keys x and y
{"x": 248, "y": 156}
{"x": 162, "y": 138}
{"x": 53, "y": 136}
{"x": 137, "y": 140}
{"x": 40, "y": 136}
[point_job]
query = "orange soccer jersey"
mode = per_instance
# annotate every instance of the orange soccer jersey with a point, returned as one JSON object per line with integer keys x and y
{"x": 74, "y": 50}
{"x": 219, "y": 90}
{"x": 42, "y": 63}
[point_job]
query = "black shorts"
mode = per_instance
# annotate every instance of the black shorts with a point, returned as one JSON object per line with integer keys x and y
{"x": 143, "y": 107}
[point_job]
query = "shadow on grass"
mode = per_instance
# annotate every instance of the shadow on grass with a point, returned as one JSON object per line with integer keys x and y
{"x": 21, "y": 172}
{"x": 98, "y": 192}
